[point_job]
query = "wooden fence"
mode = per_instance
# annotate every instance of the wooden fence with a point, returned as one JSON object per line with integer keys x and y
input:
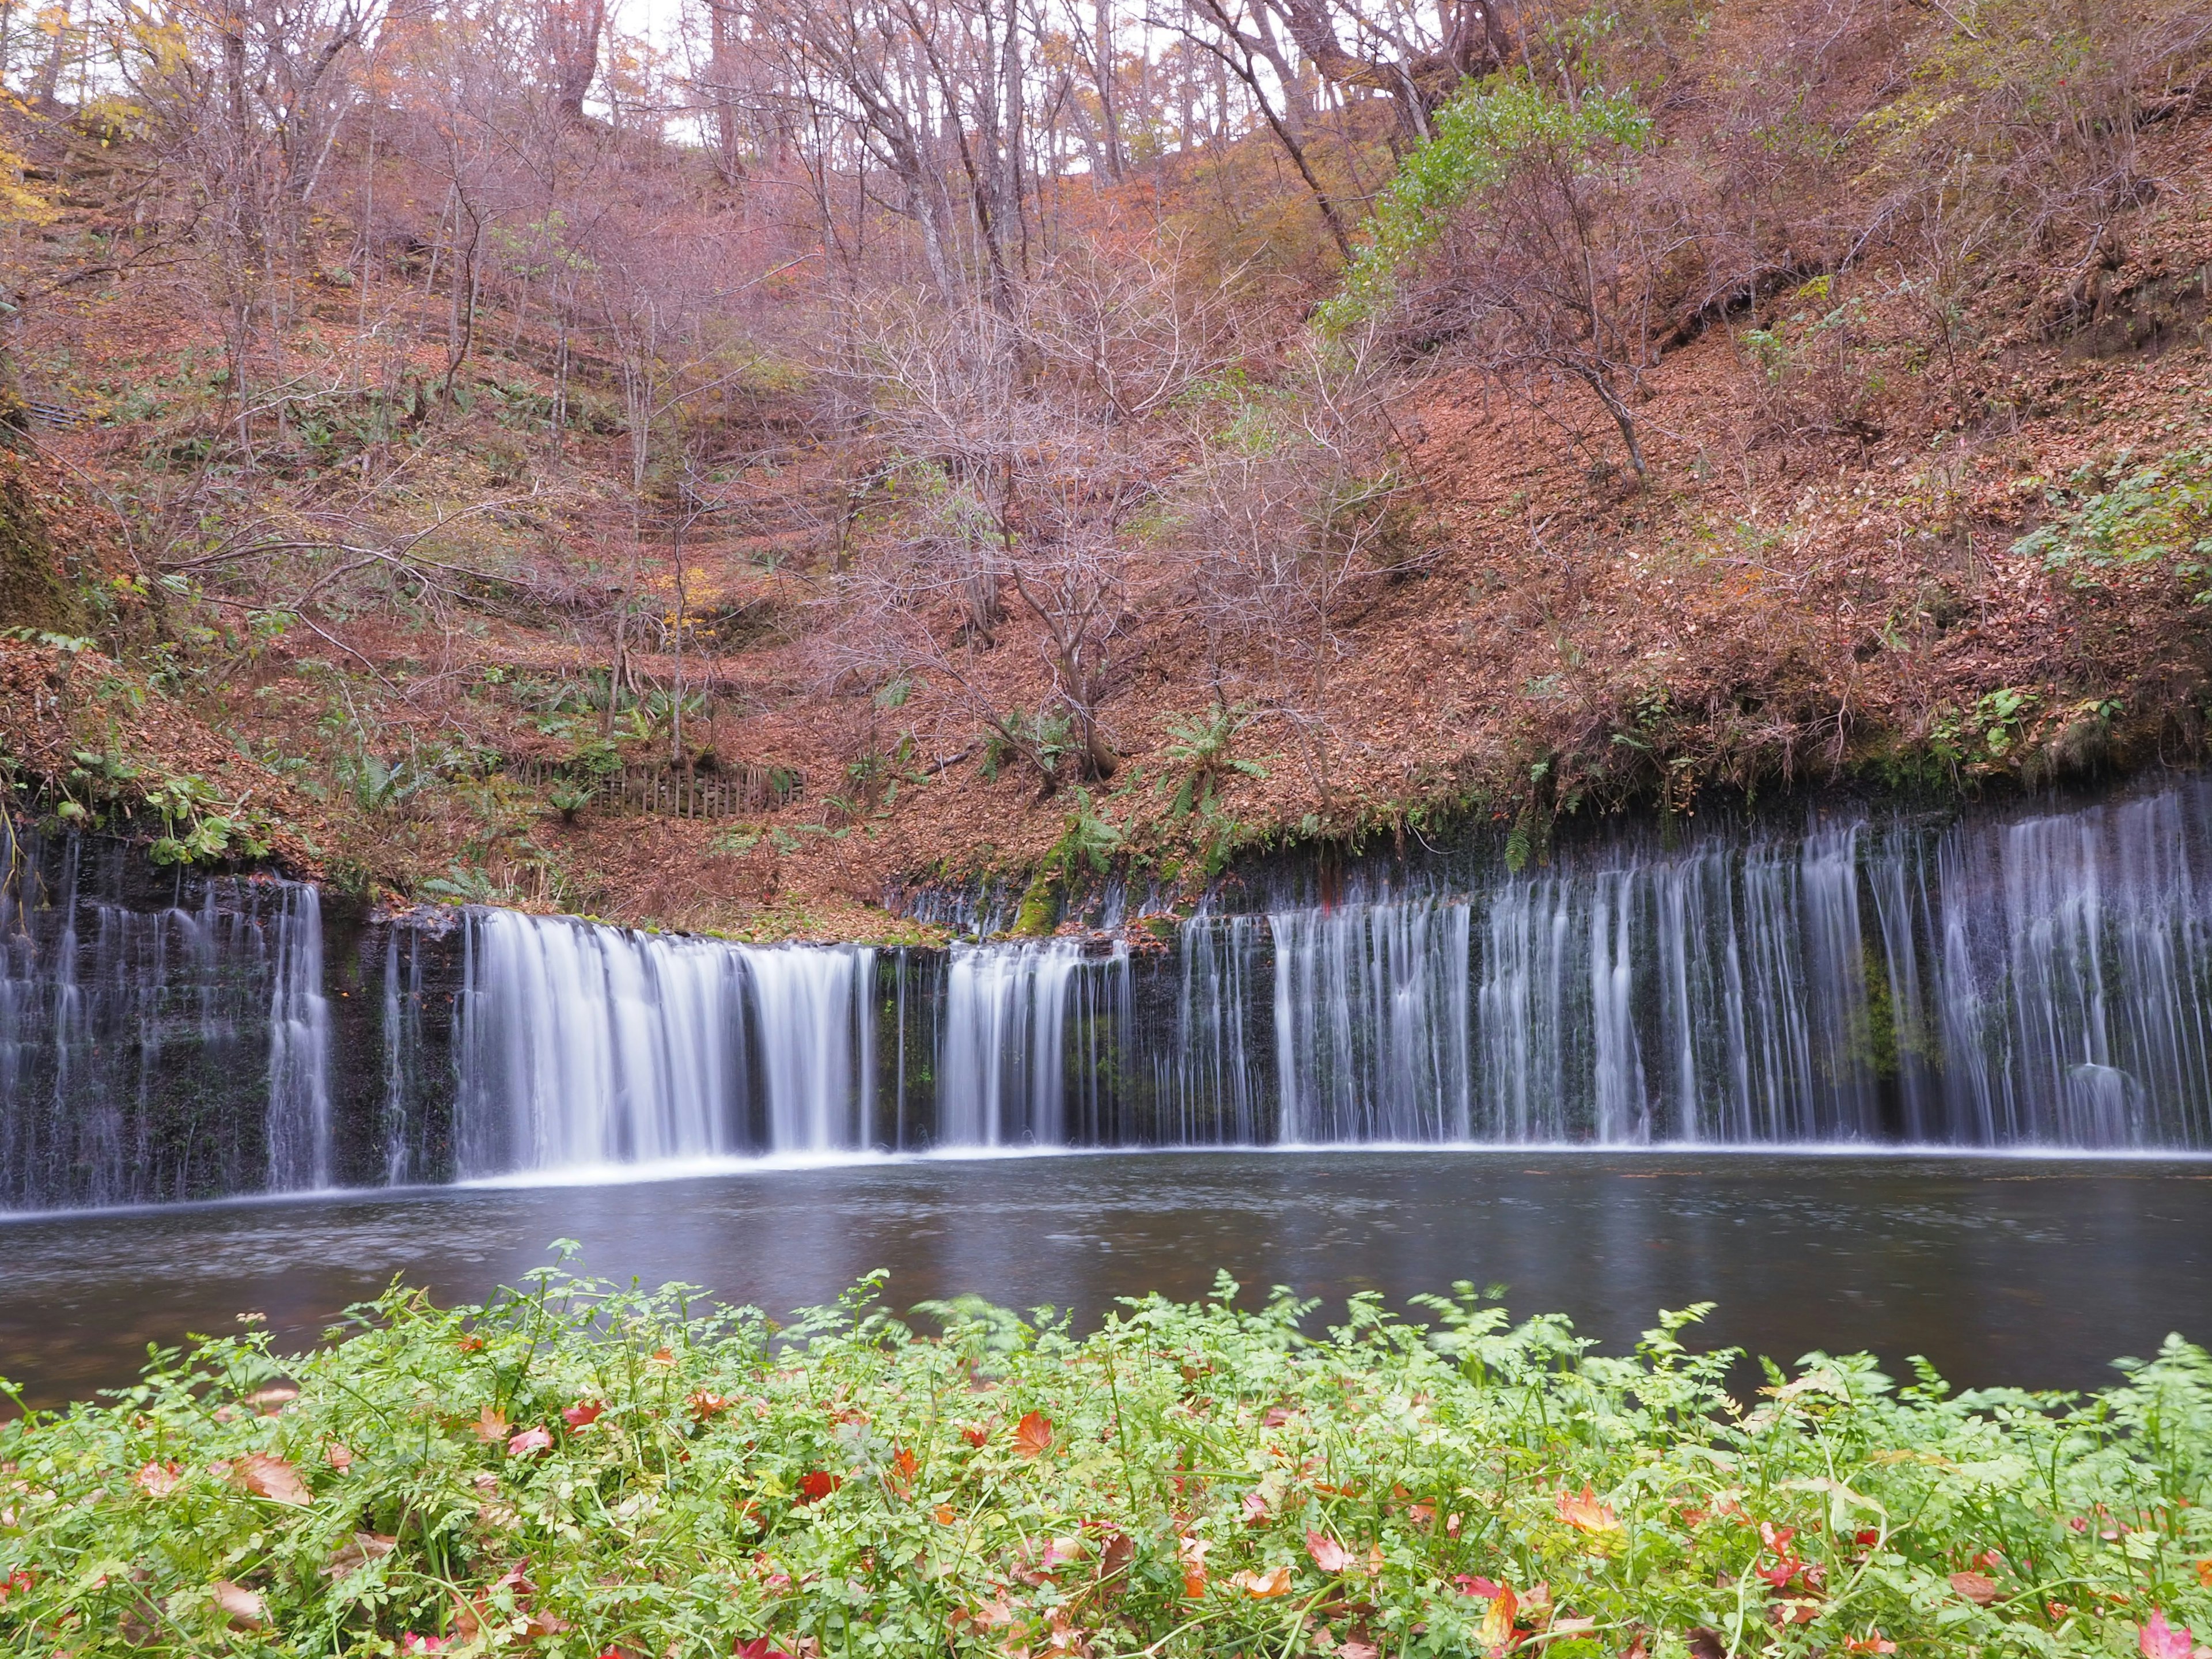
{"x": 676, "y": 791}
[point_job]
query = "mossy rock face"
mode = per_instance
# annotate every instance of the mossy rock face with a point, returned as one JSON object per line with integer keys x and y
{"x": 1040, "y": 908}
{"x": 33, "y": 593}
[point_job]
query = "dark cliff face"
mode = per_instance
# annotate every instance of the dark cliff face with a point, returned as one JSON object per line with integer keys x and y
{"x": 393, "y": 982}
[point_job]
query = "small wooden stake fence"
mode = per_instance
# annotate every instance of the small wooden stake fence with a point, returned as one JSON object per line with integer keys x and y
{"x": 673, "y": 790}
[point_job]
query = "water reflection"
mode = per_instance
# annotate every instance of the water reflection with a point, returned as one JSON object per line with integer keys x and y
{"x": 2032, "y": 1271}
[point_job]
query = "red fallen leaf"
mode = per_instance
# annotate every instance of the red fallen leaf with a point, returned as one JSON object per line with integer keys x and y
{"x": 902, "y": 1473}
{"x": 583, "y": 1414}
{"x": 1331, "y": 1557}
{"x": 1263, "y": 1586}
{"x": 705, "y": 1406}
{"x": 2160, "y": 1640}
{"x": 530, "y": 1441}
{"x": 338, "y": 1455}
{"x": 156, "y": 1480}
{"x": 1977, "y": 1586}
{"x": 974, "y": 1436}
{"x": 945, "y": 1514}
{"x": 491, "y": 1425}
{"x": 15, "y": 1583}
{"x": 1350, "y": 1649}
{"x": 1033, "y": 1435}
{"x": 759, "y": 1648}
{"x": 1255, "y": 1509}
{"x": 543, "y": 1624}
{"x": 1113, "y": 1560}
{"x": 1873, "y": 1642}
{"x": 818, "y": 1485}
{"x": 271, "y": 1400}
{"x": 410, "y": 1642}
{"x": 1775, "y": 1538}
{"x": 1586, "y": 1513}
{"x": 274, "y": 1478}
{"x": 1470, "y": 1584}
{"x": 468, "y": 1345}
{"x": 1866, "y": 1536}
{"x": 1276, "y": 1417}
{"x": 241, "y": 1608}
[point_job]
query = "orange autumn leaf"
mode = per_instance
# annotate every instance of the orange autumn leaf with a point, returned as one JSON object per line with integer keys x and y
{"x": 1496, "y": 1631}
{"x": 491, "y": 1425}
{"x": 1033, "y": 1435}
{"x": 338, "y": 1455}
{"x": 1261, "y": 1586}
{"x": 1191, "y": 1551}
{"x": 1586, "y": 1512}
{"x": 242, "y": 1609}
{"x": 900, "y": 1477}
{"x": 157, "y": 1479}
{"x": 274, "y": 1478}
{"x": 945, "y": 1514}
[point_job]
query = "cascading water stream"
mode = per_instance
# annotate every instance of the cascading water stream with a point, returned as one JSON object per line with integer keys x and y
{"x": 579, "y": 1045}
{"x": 128, "y": 1033}
{"x": 2036, "y": 981}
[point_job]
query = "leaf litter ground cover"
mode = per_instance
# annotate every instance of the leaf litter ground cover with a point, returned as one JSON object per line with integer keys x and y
{"x": 577, "y": 1468}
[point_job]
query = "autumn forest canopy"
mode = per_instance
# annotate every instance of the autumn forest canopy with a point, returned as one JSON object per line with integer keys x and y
{"x": 728, "y": 463}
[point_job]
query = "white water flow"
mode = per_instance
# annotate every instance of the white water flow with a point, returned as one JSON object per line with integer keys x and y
{"x": 2042, "y": 982}
{"x": 130, "y": 1034}
{"x": 581, "y": 1045}
{"x": 1004, "y": 1077}
{"x": 2033, "y": 980}
{"x": 299, "y": 1050}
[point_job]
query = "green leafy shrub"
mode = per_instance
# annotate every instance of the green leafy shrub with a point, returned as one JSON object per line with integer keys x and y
{"x": 1478, "y": 139}
{"x": 2152, "y": 516}
{"x": 576, "y": 1469}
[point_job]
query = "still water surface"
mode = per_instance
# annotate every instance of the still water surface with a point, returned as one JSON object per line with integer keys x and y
{"x": 2036, "y": 1271}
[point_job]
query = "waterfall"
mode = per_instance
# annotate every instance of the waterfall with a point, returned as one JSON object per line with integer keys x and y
{"x": 1004, "y": 1076}
{"x": 155, "y": 1051}
{"x": 581, "y": 1045}
{"x": 2039, "y": 977}
{"x": 298, "y": 1048}
{"x": 2036, "y": 980}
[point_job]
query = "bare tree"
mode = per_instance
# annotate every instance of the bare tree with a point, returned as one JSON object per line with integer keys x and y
{"x": 1287, "y": 512}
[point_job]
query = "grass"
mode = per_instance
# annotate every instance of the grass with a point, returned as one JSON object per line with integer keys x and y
{"x": 580, "y": 1469}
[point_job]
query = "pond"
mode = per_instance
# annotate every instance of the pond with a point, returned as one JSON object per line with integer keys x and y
{"x": 2031, "y": 1271}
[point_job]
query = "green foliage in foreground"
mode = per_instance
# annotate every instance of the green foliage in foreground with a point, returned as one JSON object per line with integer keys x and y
{"x": 581, "y": 1470}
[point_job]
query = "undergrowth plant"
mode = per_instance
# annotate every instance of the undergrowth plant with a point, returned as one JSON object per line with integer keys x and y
{"x": 580, "y": 1469}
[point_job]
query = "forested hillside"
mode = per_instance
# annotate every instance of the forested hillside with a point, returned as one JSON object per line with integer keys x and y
{"x": 728, "y": 463}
